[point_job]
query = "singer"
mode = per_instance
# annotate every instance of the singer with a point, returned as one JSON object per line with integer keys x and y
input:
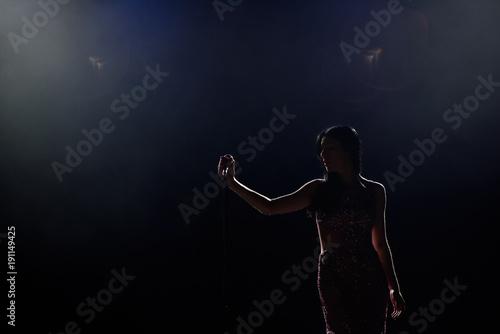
{"x": 356, "y": 279}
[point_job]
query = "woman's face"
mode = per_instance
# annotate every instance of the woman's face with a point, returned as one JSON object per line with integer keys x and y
{"x": 334, "y": 157}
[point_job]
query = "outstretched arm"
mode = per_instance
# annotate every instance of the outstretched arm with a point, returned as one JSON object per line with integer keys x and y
{"x": 379, "y": 238}
{"x": 283, "y": 204}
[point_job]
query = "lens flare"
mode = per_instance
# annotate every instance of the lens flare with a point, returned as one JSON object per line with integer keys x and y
{"x": 100, "y": 53}
{"x": 372, "y": 56}
{"x": 96, "y": 63}
{"x": 388, "y": 55}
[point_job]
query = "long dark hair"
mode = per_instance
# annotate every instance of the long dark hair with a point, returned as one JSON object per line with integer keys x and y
{"x": 327, "y": 193}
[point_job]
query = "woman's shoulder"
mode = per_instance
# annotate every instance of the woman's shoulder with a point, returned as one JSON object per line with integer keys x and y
{"x": 374, "y": 185}
{"x": 317, "y": 181}
{"x": 313, "y": 184}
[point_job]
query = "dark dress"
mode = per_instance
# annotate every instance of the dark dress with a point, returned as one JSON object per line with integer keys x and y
{"x": 351, "y": 281}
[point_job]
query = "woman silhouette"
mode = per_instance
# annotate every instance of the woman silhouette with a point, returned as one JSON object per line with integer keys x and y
{"x": 356, "y": 277}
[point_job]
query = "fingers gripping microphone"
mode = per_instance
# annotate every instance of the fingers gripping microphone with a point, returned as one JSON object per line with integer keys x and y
{"x": 225, "y": 171}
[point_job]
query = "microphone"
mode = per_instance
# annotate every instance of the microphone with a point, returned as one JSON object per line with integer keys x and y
{"x": 226, "y": 166}
{"x": 225, "y": 171}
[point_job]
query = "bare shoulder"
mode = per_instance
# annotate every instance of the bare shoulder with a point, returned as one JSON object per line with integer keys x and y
{"x": 316, "y": 181}
{"x": 377, "y": 187}
{"x": 313, "y": 184}
{"x": 309, "y": 188}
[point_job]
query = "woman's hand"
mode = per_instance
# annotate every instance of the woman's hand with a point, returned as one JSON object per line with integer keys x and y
{"x": 226, "y": 165}
{"x": 398, "y": 303}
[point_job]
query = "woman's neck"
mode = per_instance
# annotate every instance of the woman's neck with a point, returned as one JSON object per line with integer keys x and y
{"x": 349, "y": 179}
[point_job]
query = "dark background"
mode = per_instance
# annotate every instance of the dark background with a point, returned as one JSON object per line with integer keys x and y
{"x": 119, "y": 207}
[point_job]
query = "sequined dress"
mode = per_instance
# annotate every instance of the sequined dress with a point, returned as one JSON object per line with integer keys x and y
{"x": 351, "y": 281}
